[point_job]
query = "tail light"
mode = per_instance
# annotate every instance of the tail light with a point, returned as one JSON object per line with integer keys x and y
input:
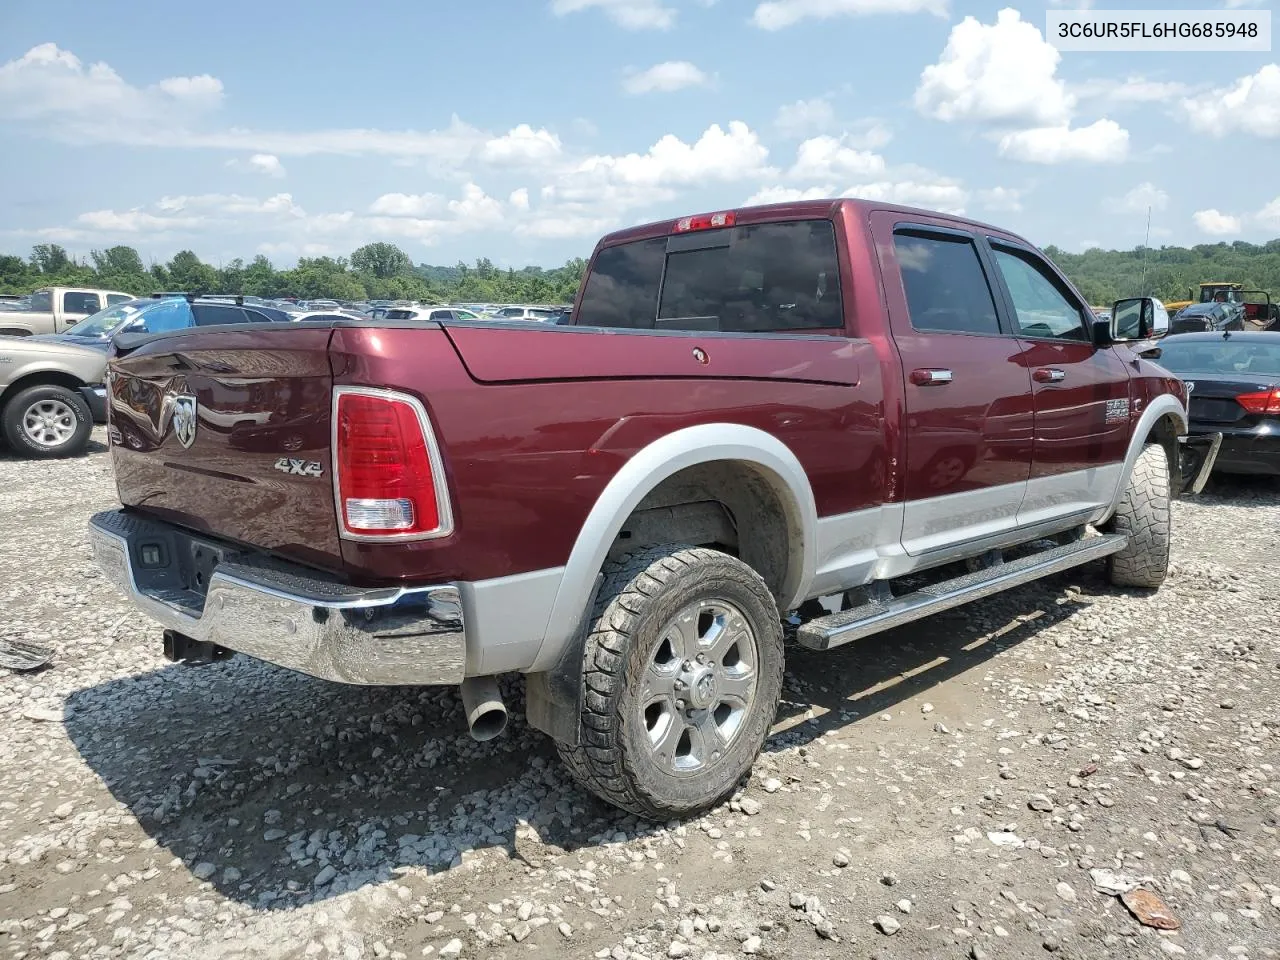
{"x": 704, "y": 221}
{"x": 388, "y": 475}
{"x": 1262, "y": 402}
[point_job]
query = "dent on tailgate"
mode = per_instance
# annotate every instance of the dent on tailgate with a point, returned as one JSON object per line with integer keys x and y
{"x": 261, "y": 397}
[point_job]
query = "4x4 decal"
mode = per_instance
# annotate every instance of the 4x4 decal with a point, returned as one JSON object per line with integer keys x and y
{"x": 299, "y": 468}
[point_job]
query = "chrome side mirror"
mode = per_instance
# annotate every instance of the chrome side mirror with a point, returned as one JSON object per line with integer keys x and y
{"x": 1138, "y": 318}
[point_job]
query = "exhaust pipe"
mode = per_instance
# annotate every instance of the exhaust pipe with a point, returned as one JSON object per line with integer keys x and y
{"x": 486, "y": 713}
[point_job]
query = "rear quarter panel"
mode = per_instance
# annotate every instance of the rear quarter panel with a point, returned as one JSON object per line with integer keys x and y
{"x": 526, "y": 459}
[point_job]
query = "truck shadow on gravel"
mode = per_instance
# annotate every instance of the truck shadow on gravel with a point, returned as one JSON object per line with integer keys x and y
{"x": 277, "y": 789}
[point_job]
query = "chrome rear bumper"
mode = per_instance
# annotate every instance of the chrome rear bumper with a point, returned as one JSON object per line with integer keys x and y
{"x": 282, "y": 613}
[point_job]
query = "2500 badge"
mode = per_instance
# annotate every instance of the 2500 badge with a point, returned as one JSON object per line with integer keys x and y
{"x": 299, "y": 468}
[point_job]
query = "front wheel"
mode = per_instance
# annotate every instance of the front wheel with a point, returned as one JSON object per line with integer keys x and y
{"x": 1144, "y": 516}
{"x": 47, "y": 421}
{"x": 682, "y": 673}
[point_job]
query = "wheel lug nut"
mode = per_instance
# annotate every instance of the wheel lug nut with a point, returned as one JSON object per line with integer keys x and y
{"x": 688, "y": 664}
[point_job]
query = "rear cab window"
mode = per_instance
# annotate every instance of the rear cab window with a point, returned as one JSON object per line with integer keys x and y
{"x": 78, "y": 302}
{"x": 779, "y": 277}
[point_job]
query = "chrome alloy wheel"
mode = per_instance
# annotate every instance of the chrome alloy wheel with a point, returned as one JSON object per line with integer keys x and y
{"x": 49, "y": 423}
{"x": 698, "y": 686}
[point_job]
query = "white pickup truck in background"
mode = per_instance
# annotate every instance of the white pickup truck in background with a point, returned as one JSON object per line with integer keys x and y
{"x": 53, "y": 309}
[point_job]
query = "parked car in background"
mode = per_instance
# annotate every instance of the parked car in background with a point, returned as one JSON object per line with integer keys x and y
{"x": 429, "y": 314}
{"x": 1233, "y": 382}
{"x": 54, "y": 309}
{"x": 1207, "y": 317}
{"x": 52, "y": 386}
{"x": 525, "y": 313}
{"x": 896, "y": 410}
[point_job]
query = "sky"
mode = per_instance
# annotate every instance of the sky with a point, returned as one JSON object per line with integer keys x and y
{"x": 522, "y": 131}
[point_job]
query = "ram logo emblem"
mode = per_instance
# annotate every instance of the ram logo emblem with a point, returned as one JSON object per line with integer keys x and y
{"x": 184, "y": 420}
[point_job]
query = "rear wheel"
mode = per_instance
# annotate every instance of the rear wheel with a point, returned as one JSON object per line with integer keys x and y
{"x": 1143, "y": 515}
{"x": 47, "y": 421}
{"x": 681, "y": 678}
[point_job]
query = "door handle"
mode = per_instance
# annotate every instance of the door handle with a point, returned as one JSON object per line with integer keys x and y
{"x": 930, "y": 376}
{"x": 1048, "y": 375}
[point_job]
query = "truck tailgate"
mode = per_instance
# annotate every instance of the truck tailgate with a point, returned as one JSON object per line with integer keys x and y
{"x": 227, "y": 432}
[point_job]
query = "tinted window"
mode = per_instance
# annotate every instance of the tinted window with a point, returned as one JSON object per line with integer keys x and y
{"x": 441, "y": 314}
{"x": 42, "y": 301}
{"x": 172, "y": 314}
{"x": 511, "y": 312}
{"x": 622, "y": 287}
{"x": 756, "y": 278}
{"x": 401, "y": 314}
{"x": 1233, "y": 357}
{"x": 207, "y": 315}
{"x": 946, "y": 287}
{"x": 114, "y": 298}
{"x": 80, "y": 303}
{"x": 254, "y": 316}
{"x": 1043, "y": 309}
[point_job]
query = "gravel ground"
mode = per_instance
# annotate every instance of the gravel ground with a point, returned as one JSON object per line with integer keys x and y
{"x": 981, "y": 784}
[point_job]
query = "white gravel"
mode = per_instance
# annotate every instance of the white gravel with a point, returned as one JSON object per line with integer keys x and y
{"x": 983, "y": 784}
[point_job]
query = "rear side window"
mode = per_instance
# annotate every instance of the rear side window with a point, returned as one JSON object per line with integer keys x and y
{"x": 73, "y": 302}
{"x": 402, "y": 315}
{"x": 208, "y": 316}
{"x": 755, "y": 278}
{"x": 253, "y": 316}
{"x": 441, "y": 314}
{"x": 622, "y": 288}
{"x": 41, "y": 301}
{"x": 945, "y": 285}
{"x": 511, "y": 312}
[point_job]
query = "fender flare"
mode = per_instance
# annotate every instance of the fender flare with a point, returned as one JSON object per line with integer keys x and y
{"x": 1164, "y": 405}
{"x": 652, "y": 464}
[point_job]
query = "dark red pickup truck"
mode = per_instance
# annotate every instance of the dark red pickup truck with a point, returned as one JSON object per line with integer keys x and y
{"x": 750, "y": 411}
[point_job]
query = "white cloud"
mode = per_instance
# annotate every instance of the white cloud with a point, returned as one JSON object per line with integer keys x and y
{"x": 522, "y": 145}
{"x": 781, "y": 194}
{"x": 1250, "y": 105}
{"x": 665, "y": 78}
{"x": 1130, "y": 90}
{"x": 828, "y": 158}
{"x": 805, "y": 117}
{"x": 565, "y": 227}
{"x": 628, "y": 14}
{"x": 719, "y": 154}
{"x": 476, "y": 208}
{"x": 50, "y": 83}
{"x": 519, "y": 199}
{"x": 265, "y": 163}
{"x": 1216, "y": 223}
{"x": 778, "y": 14}
{"x": 999, "y": 73}
{"x": 1269, "y": 216}
{"x": 1002, "y": 199}
{"x": 407, "y": 204}
{"x": 943, "y": 194}
{"x": 1103, "y": 141}
{"x": 1141, "y": 198}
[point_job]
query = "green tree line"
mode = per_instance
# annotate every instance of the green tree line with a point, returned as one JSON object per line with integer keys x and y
{"x": 384, "y": 271}
{"x": 377, "y": 271}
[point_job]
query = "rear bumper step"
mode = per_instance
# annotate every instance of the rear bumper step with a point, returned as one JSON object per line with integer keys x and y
{"x": 281, "y": 613}
{"x": 862, "y": 621}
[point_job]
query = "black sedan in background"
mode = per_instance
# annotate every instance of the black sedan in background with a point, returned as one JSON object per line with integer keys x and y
{"x": 1208, "y": 317}
{"x": 1233, "y": 381}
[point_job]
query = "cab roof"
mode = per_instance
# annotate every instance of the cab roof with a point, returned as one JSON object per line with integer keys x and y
{"x": 827, "y": 208}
